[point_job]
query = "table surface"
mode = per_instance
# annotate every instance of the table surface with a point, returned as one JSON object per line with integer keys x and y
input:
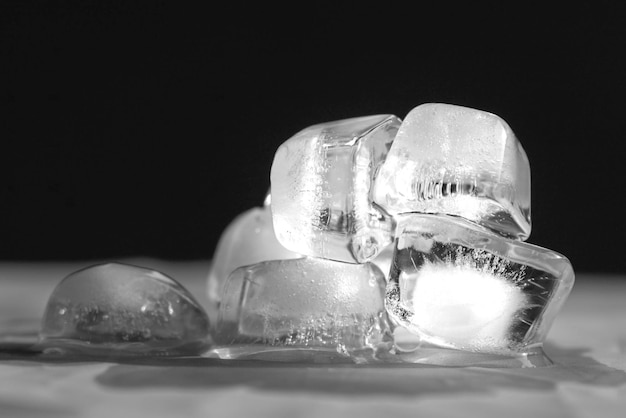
{"x": 587, "y": 343}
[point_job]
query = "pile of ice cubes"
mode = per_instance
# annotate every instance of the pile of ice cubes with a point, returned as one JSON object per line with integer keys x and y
{"x": 379, "y": 241}
{"x": 383, "y": 238}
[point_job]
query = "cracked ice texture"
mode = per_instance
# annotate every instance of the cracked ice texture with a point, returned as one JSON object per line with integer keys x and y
{"x": 320, "y": 184}
{"x": 459, "y": 161}
{"x": 123, "y": 310}
{"x": 306, "y": 303}
{"x": 455, "y": 284}
{"x": 248, "y": 239}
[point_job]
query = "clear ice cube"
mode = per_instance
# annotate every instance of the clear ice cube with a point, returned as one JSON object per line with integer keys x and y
{"x": 304, "y": 304}
{"x": 320, "y": 185}
{"x": 248, "y": 239}
{"x": 459, "y": 161}
{"x": 457, "y": 285}
{"x": 119, "y": 309}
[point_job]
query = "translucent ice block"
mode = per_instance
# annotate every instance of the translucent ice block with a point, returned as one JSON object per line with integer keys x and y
{"x": 458, "y": 161}
{"x": 304, "y": 304}
{"x": 320, "y": 183}
{"x": 454, "y": 284}
{"x": 118, "y": 309}
{"x": 248, "y": 239}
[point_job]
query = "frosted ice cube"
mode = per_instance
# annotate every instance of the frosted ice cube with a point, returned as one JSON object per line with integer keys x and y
{"x": 320, "y": 183}
{"x": 458, "y": 161}
{"x": 305, "y": 304}
{"x": 248, "y": 239}
{"x": 118, "y": 309}
{"x": 455, "y": 284}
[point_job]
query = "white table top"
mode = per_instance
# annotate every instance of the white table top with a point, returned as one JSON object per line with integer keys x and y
{"x": 587, "y": 344}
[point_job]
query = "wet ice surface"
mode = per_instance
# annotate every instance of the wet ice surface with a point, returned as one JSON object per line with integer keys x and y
{"x": 456, "y": 285}
{"x": 321, "y": 179}
{"x": 120, "y": 309}
{"x": 304, "y": 307}
{"x": 365, "y": 381}
{"x": 458, "y": 161}
{"x": 248, "y": 239}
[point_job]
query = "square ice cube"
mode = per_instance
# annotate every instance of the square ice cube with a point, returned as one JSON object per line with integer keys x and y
{"x": 320, "y": 184}
{"x": 455, "y": 284}
{"x": 459, "y": 161}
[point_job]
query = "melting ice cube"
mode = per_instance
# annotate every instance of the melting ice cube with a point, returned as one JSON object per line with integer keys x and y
{"x": 248, "y": 239}
{"x": 455, "y": 284}
{"x": 118, "y": 309}
{"x": 305, "y": 304}
{"x": 321, "y": 178}
{"x": 459, "y": 161}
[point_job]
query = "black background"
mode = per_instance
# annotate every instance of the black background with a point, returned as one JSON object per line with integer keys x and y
{"x": 142, "y": 129}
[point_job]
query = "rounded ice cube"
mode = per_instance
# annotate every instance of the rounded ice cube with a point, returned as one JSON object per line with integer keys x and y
{"x": 304, "y": 304}
{"x": 119, "y": 309}
{"x": 248, "y": 239}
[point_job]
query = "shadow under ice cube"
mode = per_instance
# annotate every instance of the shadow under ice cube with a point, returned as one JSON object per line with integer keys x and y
{"x": 454, "y": 160}
{"x": 320, "y": 184}
{"x": 454, "y": 284}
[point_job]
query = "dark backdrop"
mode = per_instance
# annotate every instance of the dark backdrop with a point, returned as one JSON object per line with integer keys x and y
{"x": 134, "y": 129}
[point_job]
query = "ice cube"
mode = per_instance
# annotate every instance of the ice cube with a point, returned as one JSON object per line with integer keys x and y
{"x": 248, "y": 239}
{"x": 455, "y": 284}
{"x": 455, "y": 160}
{"x": 304, "y": 304}
{"x": 320, "y": 183}
{"x": 119, "y": 309}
